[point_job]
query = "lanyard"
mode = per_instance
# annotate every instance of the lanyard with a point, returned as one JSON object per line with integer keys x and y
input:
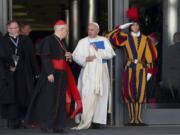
{"x": 15, "y": 43}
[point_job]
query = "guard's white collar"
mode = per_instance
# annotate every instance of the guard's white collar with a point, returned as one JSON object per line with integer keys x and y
{"x": 136, "y": 34}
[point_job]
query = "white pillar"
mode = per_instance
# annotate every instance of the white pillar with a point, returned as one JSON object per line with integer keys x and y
{"x": 89, "y": 13}
{"x": 171, "y": 14}
{"x": 67, "y": 21}
{"x": 5, "y": 14}
{"x": 74, "y": 24}
{"x": 170, "y": 17}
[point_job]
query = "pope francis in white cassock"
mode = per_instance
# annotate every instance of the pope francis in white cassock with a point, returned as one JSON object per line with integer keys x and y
{"x": 92, "y": 53}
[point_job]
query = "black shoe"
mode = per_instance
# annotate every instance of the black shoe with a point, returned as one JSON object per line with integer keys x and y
{"x": 14, "y": 127}
{"x": 130, "y": 124}
{"x": 142, "y": 124}
{"x": 22, "y": 124}
{"x": 96, "y": 126}
{"x": 57, "y": 130}
{"x": 44, "y": 128}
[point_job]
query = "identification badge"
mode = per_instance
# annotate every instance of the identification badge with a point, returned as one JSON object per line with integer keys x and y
{"x": 15, "y": 59}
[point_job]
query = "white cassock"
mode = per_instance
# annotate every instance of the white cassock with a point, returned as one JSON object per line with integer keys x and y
{"x": 93, "y": 82}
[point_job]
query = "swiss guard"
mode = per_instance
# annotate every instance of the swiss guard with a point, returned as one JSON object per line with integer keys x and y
{"x": 140, "y": 56}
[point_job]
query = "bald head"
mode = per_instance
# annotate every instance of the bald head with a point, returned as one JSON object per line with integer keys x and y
{"x": 93, "y": 29}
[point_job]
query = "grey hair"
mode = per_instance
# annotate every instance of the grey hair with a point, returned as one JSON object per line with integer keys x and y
{"x": 95, "y": 24}
{"x": 58, "y": 27}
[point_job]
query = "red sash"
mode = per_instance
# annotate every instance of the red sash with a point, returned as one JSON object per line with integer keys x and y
{"x": 71, "y": 90}
{"x": 59, "y": 64}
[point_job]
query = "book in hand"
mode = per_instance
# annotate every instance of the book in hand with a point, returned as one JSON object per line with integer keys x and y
{"x": 99, "y": 44}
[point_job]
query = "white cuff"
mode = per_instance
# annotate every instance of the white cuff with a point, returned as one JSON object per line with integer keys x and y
{"x": 126, "y": 25}
{"x": 149, "y": 76}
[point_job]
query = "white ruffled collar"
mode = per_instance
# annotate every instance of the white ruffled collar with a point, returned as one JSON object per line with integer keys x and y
{"x": 137, "y": 34}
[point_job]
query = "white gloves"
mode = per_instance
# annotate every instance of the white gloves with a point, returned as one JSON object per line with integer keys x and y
{"x": 126, "y": 25}
{"x": 148, "y": 76}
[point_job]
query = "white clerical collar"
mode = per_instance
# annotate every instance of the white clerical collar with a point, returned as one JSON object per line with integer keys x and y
{"x": 93, "y": 39}
{"x": 58, "y": 36}
{"x": 14, "y": 36}
{"x": 136, "y": 34}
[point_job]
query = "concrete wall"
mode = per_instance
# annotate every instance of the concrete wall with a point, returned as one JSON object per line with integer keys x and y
{"x": 117, "y": 16}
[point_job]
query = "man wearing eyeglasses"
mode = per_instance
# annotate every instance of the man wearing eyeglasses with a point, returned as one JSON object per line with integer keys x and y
{"x": 19, "y": 69}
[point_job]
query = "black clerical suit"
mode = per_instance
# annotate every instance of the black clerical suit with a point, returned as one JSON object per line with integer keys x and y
{"x": 48, "y": 105}
{"x": 18, "y": 84}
